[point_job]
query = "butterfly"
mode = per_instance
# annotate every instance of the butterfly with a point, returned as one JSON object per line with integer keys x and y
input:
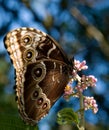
{"x": 42, "y": 71}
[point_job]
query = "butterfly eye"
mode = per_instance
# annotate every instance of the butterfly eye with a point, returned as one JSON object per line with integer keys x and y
{"x": 28, "y": 54}
{"x": 27, "y": 40}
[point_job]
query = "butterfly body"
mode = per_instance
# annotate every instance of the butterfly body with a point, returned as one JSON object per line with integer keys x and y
{"x": 42, "y": 71}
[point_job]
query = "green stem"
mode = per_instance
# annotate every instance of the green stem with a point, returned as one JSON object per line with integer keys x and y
{"x": 82, "y": 122}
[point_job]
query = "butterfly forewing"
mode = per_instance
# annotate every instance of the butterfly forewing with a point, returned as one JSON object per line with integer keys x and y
{"x": 42, "y": 71}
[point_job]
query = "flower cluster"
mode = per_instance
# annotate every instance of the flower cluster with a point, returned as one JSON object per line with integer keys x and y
{"x": 80, "y": 65}
{"x": 89, "y": 80}
{"x": 86, "y": 81}
{"x": 90, "y": 103}
{"x": 82, "y": 83}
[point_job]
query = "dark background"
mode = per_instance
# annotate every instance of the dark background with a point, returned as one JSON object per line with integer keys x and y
{"x": 82, "y": 29}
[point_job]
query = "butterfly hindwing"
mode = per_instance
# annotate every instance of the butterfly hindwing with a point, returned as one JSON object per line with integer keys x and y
{"x": 43, "y": 86}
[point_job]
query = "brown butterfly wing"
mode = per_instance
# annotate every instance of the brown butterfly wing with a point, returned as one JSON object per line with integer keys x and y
{"x": 43, "y": 86}
{"x": 21, "y": 41}
{"x": 42, "y": 71}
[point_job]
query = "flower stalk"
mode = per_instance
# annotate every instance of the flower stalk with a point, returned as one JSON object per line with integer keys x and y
{"x": 82, "y": 122}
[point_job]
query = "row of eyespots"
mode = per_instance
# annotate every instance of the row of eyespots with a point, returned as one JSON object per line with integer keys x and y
{"x": 37, "y": 72}
{"x": 39, "y": 101}
{"x": 29, "y": 53}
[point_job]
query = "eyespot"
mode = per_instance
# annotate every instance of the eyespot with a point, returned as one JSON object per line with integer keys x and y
{"x": 44, "y": 106}
{"x": 40, "y": 101}
{"x": 27, "y": 40}
{"x": 35, "y": 94}
{"x": 39, "y": 72}
{"x": 29, "y": 54}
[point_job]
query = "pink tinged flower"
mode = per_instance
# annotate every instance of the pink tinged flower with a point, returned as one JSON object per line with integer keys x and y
{"x": 83, "y": 78}
{"x": 90, "y": 103}
{"x": 92, "y": 80}
{"x": 84, "y": 86}
{"x": 79, "y": 88}
{"x": 80, "y": 65}
{"x": 68, "y": 91}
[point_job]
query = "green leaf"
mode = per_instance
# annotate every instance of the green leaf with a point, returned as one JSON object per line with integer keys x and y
{"x": 67, "y": 116}
{"x": 8, "y": 122}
